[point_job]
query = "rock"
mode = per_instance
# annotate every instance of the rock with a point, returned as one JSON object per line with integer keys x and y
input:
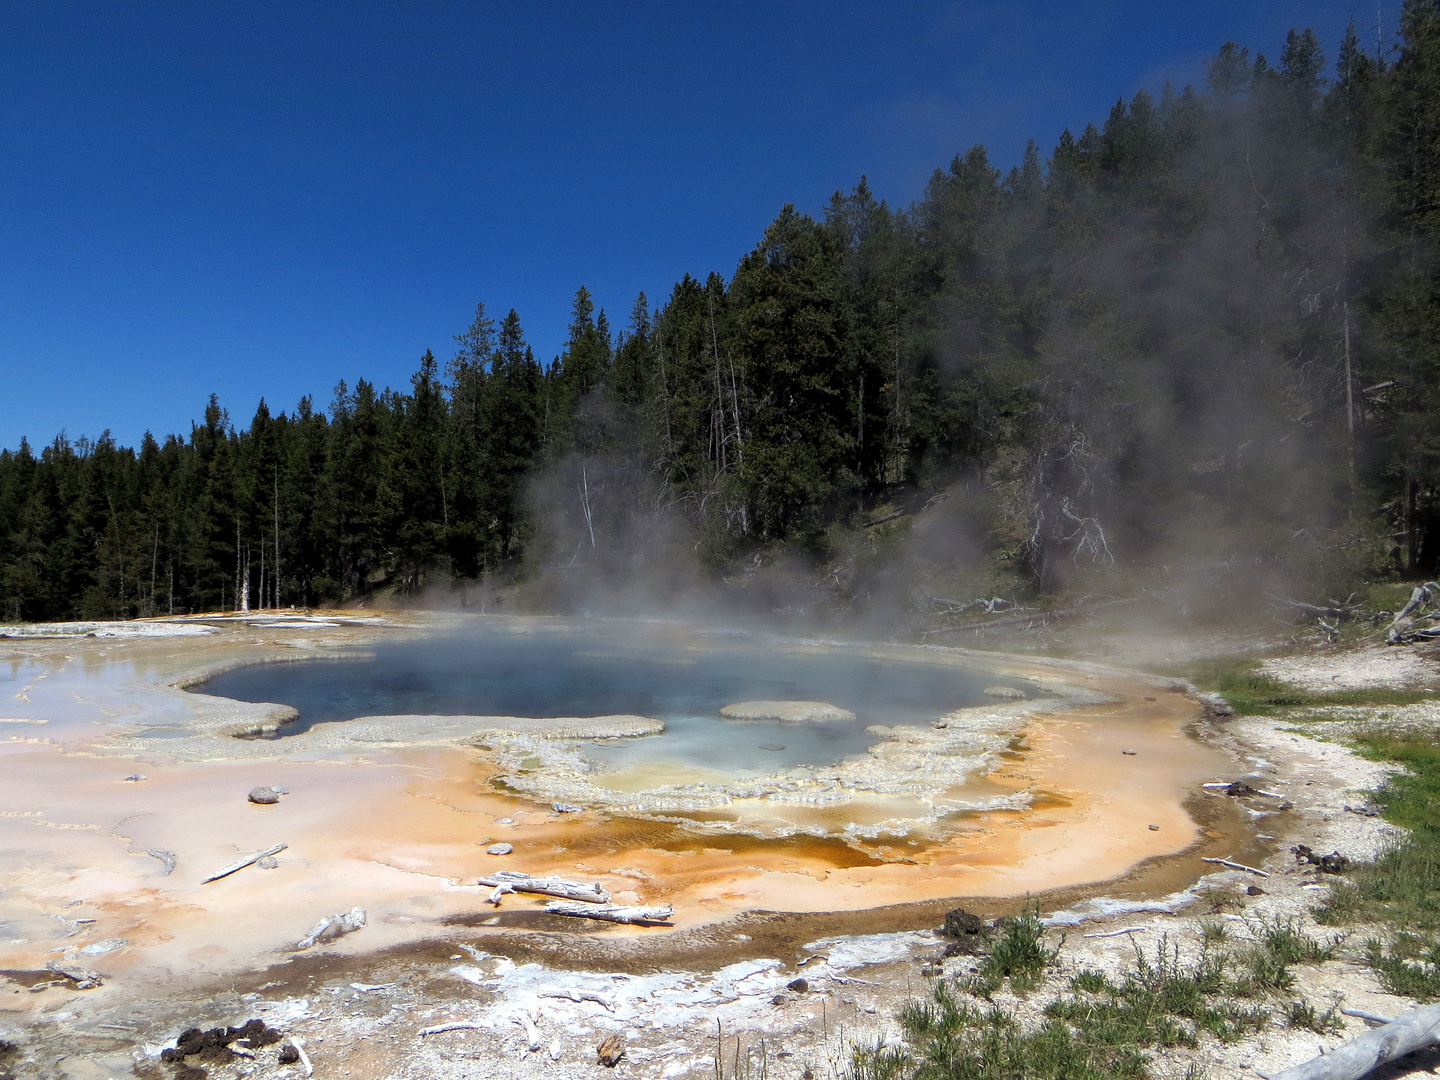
{"x": 499, "y": 849}
{"x": 1006, "y": 693}
{"x": 1334, "y": 863}
{"x": 265, "y": 796}
{"x": 566, "y": 808}
{"x": 289, "y": 1055}
{"x": 269, "y": 862}
{"x": 787, "y": 712}
{"x": 1254, "y": 890}
{"x": 134, "y": 778}
{"x": 961, "y": 923}
{"x": 83, "y": 978}
{"x": 214, "y": 1045}
{"x": 1241, "y": 789}
{"x": 967, "y": 932}
{"x": 1128, "y": 753}
{"x": 100, "y": 948}
{"x": 1153, "y": 828}
{"x": 609, "y": 1052}
{"x": 1216, "y": 705}
{"x": 800, "y": 986}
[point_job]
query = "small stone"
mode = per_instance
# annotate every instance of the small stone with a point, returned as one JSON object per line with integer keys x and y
{"x": 505, "y": 821}
{"x": 1128, "y": 753}
{"x": 134, "y": 778}
{"x": 269, "y": 862}
{"x": 800, "y": 986}
{"x": 1149, "y": 698}
{"x": 265, "y": 796}
{"x": 1254, "y": 890}
{"x": 289, "y": 1055}
{"x": 499, "y": 849}
{"x": 609, "y": 1052}
{"x": 565, "y": 808}
{"x": 1154, "y": 828}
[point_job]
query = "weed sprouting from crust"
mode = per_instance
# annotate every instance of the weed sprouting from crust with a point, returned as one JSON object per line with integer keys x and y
{"x": 1019, "y": 954}
{"x": 1302, "y": 1015}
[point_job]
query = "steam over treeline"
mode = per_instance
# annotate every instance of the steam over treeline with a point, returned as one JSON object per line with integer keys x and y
{"x": 1208, "y": 328}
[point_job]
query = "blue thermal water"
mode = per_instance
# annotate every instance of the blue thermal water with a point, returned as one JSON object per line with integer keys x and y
{"x": 546, "y": 675}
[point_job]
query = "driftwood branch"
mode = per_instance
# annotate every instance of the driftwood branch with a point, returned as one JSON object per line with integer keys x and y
{"x": 1402, "y": 628}
{"x": 1352, "y": 1060}
{"x": 1237, "y": 866}
{"x": 1117, "y": 933}
{"x": 631, "y": 916}
{"x": 1041, "y": 617}
{"x": 458, "y": 1025}
{"x": 573, "y": 993}
{"x": 1318, "y": 611}
{"x": 240, "y": 864}
{"x": 334, "y": 926}
{"x": 514, "y": 881}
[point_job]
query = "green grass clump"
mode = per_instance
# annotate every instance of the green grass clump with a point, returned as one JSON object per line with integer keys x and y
{"x": 1019, "y": 955}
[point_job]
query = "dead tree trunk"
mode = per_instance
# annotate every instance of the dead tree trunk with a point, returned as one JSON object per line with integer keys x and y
{"x": 1354, "y": 1059}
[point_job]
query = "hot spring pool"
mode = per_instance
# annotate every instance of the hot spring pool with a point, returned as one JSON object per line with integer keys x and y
{"x": 547, "y": 675}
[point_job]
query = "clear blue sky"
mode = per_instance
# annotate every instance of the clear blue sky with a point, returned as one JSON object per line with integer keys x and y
{"x": 259, "y": 199}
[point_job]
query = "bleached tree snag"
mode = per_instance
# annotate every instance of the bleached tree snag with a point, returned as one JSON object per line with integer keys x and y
{"x": 459, "y": 1025}
{"x": 1402, "y": 629}
{"x": 1238, "y": 866}
{"x": 240, "y": 864}
{"x": 497, "y": 892}
{"x": 576, "y": 994}
{"x": 513, "y": 880}
{"x": 1352, "y": 1060}
{"x": 631, "y": 916}
{"x": 334, "y": 926}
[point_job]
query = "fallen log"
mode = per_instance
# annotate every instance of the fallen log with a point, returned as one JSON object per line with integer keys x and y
{"x": 1352, "y": 1060}
{"x": 240, "y": 864}
{"x": 1042, "y": 617}
{"x": 631, "y": 916}
{"x": 1237, "y": 866}
{"x": 572, "y": 993}
{"x": 334, "y": 926}
{"x": 512, "y": 880}
{"x": 458, "y": 1025}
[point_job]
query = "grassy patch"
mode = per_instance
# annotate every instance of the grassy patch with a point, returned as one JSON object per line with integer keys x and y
{"x": 1099, "y": 1026}
{"x": 1256, "y": 694}
{"x": 1401, "y": 888}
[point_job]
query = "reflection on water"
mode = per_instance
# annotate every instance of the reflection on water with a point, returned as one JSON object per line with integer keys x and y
{"x": 547, "y": 675}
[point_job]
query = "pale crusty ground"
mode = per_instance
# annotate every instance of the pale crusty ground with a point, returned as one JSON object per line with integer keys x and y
{"x": 360, "y": 1013}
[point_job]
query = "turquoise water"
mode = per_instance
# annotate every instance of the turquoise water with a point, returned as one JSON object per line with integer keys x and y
{"x": 545, "y": 675}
